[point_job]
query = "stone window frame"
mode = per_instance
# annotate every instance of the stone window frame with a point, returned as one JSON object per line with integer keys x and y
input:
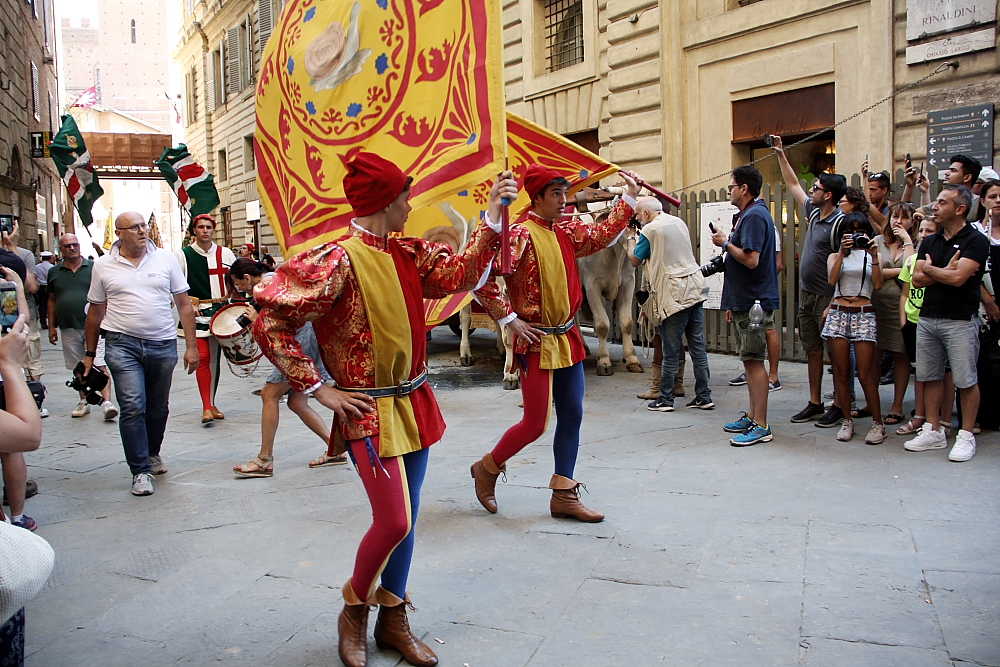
{"x": 537, "y": 80}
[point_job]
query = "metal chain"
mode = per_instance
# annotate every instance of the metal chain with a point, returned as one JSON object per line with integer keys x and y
{"x": 940, "y": 68}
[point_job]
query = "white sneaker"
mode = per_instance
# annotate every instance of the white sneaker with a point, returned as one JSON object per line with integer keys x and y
{"x": 43, "y": 413}
{"x": 927, "y": 439}
{"x": 157, "y": 464}
{"x": 846, "y": 430}
{"x": 142, "y": 484}
{"x": 965, "y": 447}
{"x": 876, "y": 435}
{"x": 110, "y": 411}
{"x": 82, "y": 408}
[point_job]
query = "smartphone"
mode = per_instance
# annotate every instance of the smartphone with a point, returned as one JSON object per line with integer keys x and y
{"x": 769, "y": 139}
{"x": 7, "y": 224}
{"x": 921, "y": 168}
{"x": 8, "y": 305}
{"x": 907, "y": 163}
{"x": 712, "y": 227}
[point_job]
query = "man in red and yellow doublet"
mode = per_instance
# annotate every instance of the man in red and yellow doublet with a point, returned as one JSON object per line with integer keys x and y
{"x": 543, "y": 295}
{"x": 364, "y": 295}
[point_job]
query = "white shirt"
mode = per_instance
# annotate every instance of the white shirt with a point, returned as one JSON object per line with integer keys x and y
{"x": 42, "y": 271}
{"x": 139, "y": 298}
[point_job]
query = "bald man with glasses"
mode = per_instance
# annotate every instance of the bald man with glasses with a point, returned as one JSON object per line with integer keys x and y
{"x": 130, "y": 301}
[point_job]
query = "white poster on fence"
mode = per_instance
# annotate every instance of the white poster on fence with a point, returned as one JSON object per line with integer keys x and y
{"x": 720, "y": 214}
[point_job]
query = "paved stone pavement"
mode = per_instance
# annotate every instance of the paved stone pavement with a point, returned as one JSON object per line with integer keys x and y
{"x": 803, "y": 551}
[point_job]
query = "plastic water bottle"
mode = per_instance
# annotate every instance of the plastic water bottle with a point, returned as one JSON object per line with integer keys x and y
{"x": 756, "y": 316}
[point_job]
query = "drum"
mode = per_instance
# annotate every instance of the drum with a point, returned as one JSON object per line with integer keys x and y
{"x": 235, "y": 339}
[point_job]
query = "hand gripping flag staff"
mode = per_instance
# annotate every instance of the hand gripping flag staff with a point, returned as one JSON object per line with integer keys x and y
{"x": 72, "y": 160}
{"x": 419, "y": 82}
{"x": 193, "y": 185}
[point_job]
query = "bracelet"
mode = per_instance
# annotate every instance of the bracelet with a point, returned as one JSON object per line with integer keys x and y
{"x": 725, "y": 244}
{"x": 88, "y": 353}
{"x": 907, "y": 244}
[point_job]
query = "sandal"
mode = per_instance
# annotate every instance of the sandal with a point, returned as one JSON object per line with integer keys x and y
{"x": 262, "y": 466}
{"x": 860, "y": 413}
{"x": 909, "y": 428}
{"x": 893, "y": 418}
{"x": 327, "y": 460}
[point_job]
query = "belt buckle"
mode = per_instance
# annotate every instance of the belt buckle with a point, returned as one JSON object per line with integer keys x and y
{"x": 403, "y": 388}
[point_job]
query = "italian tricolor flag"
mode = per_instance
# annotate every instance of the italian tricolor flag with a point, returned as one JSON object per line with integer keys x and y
{"x": 73, "y": 162}
{"x": 194, "y": 186}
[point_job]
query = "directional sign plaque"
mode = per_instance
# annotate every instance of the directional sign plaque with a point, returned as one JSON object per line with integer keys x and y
{"x": 966, "y": 130}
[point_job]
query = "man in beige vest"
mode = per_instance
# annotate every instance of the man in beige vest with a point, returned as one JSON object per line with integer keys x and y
{"x": 676, "y": 293}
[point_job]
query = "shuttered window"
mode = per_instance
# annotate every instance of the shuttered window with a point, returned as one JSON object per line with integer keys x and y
{"x": 35, "y": 93}
{"x": 53, "y": 114}
{"x": 191, "y": 97}
{"x": 265, "y": 21}
{"x": 210, "y": 82}
{"x": 234, "y": 67}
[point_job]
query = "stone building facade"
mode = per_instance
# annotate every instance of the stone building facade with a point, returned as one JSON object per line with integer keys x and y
{"x": 218, "y": 54}
{"x": 30, "y": 188}
{"x": 684, "y": 90}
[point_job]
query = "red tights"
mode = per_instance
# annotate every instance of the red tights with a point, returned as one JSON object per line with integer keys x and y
{"x": 208, "y": 371}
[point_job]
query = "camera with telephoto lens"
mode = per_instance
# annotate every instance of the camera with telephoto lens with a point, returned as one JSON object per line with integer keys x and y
{"x": 89, "y": 384}
{"x": 716, "y": 265}
{"x": 861, "y": 240}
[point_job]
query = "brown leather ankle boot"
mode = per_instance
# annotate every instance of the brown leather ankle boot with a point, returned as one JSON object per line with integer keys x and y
{"x": 352, "y": 628}
{"x": 486, "y": 472}
{"x": 392, "y": 630}
{"x": 565, "y": 503}
{"x": 653, "y": 392}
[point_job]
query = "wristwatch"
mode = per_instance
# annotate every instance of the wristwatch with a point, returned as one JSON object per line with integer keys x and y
{"x": 88, "y": 353}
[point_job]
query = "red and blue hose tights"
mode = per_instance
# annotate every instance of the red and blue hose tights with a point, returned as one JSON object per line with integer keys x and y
{"x": 540, "y": 388}
{"x": 393, "y": 488}
{"x": 208, "y": 370}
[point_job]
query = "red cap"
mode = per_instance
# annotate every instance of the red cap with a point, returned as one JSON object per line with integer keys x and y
{"x": 372, "y": 183}
{"x": 251, "y": 247}
{"x": 206, "y": 216}
{"x": 537, "y": 177}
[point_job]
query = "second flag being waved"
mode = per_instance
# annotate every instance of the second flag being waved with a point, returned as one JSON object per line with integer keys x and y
{"x": 72, "y": 159}
{"x": 193, "y": 185}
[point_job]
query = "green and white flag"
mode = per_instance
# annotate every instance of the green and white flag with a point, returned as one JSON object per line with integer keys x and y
{"x": 193, "y": 185}
{"x": 73, "y": 162}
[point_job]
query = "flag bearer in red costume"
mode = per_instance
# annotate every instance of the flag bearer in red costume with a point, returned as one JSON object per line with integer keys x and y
{"x": 205, "y": 265}
{"x": 355, "y": 291}
{"x": 544, "y": 295}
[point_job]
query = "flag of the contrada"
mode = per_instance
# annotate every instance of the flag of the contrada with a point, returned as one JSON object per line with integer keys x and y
{"x": 419, "y": 82}
{"x": 86, "y": 99}
{"x": 452, "y": 219}
{"x": 73, "y": 162}
{"x": 193, "y": 185}
{"x": 109, "y": 232}
{"x": 154, "y": 231}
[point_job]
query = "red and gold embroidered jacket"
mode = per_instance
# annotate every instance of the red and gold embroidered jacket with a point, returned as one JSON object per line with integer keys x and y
{"x": 320, "y": 286}
{"x": 577, "y": 238}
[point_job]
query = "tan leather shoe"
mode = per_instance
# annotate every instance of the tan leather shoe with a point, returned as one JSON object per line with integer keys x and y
{"x": 486, "y": 472}
{"x": 565, "y": 503}
{"x": 653, "y": 392}
{"x": 352, "y": 628}
{"x": 217, "y": 413}
{"x": 392, "y": 630}
{"x": 207, "y": 417}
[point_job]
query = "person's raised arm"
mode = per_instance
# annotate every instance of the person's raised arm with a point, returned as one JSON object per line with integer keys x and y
{"x": 788, "y": 173}
{"x": 20, "y": 422}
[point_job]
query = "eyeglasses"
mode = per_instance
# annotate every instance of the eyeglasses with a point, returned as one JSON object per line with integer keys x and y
{"x": 816, "y": 187}
{"x": 730, "y": 188}
{"x": 69, "y": 245}
{"x": 134, "y": 228}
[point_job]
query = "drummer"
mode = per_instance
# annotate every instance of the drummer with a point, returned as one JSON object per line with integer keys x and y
{"x": 245, "y": 274}
{"x": 205, "y": 264}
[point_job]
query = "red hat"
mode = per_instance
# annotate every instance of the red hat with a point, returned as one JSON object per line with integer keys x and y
{"x": 206, "y": 216}
{"x": 251, "y": 247}
{"x": 372, "y": 183}
{"x": 537, "y": 177}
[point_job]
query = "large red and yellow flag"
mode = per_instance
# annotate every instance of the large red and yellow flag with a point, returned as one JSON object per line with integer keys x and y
{"x": 452, "y": 219}
{"x": 419, "y": 82}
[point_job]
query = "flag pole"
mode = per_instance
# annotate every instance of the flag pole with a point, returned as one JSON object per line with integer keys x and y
{"x": 674, "y": 201}
{"x": 505, "y": 268}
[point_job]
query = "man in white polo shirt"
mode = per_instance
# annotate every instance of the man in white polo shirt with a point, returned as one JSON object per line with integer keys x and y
{"x": 130, "y": 293}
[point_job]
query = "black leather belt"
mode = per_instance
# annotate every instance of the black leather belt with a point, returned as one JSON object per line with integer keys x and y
{"x": 852, "y": 309}
{"x": 400, "y": 390}
{"x": 561, "y": 329}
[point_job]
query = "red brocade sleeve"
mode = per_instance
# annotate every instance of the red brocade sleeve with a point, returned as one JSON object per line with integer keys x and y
{"x": 443, "y": 273}
{"x": 303, "y": 289}
{"x": 591, "y": 237}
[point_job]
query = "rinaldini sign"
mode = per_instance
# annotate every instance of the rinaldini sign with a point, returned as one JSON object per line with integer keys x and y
{"x": 932, "y": 17}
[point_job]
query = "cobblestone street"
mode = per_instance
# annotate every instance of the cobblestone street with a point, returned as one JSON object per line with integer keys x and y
{"x": 802, "y": 551}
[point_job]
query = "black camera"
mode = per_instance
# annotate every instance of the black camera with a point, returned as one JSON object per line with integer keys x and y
{"x": 861, "y": 240}
{"x": 716, "y": 265}
{"x": 90, "y": 384}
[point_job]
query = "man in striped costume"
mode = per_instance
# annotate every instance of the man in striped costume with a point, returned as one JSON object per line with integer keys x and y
{"x": 205, "y": 265}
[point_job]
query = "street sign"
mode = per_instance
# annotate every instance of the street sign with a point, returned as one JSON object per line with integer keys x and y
{"x": 40, "y": 144}
{"x": 966, "y": 130}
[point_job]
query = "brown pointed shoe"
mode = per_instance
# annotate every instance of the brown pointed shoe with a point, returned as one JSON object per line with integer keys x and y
{"x": 207, "y": 417}
{"x": 565, "y": 503}
{"x": 352, "y": 627}
{"x": 392, "y": 630}
{"x": 217, "y": 413}
{"x": 486, "y": 472}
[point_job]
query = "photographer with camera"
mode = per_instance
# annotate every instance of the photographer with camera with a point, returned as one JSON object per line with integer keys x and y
{"x": 750, "y": 296}
{"x": 855, "y": 271}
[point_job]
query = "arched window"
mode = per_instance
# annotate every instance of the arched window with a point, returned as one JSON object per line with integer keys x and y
{"x": 133, "y": 31}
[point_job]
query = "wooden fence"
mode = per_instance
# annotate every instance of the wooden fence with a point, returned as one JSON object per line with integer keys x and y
{"x": 788, "y": 219}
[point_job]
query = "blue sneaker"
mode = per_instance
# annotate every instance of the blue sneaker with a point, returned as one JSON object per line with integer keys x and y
{"x": 738, "y": 426}
{"x": 756, "y": 433}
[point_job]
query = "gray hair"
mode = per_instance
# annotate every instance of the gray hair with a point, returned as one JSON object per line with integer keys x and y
{"x": 963, "y": 195}
{"x": 648, "y": 205}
